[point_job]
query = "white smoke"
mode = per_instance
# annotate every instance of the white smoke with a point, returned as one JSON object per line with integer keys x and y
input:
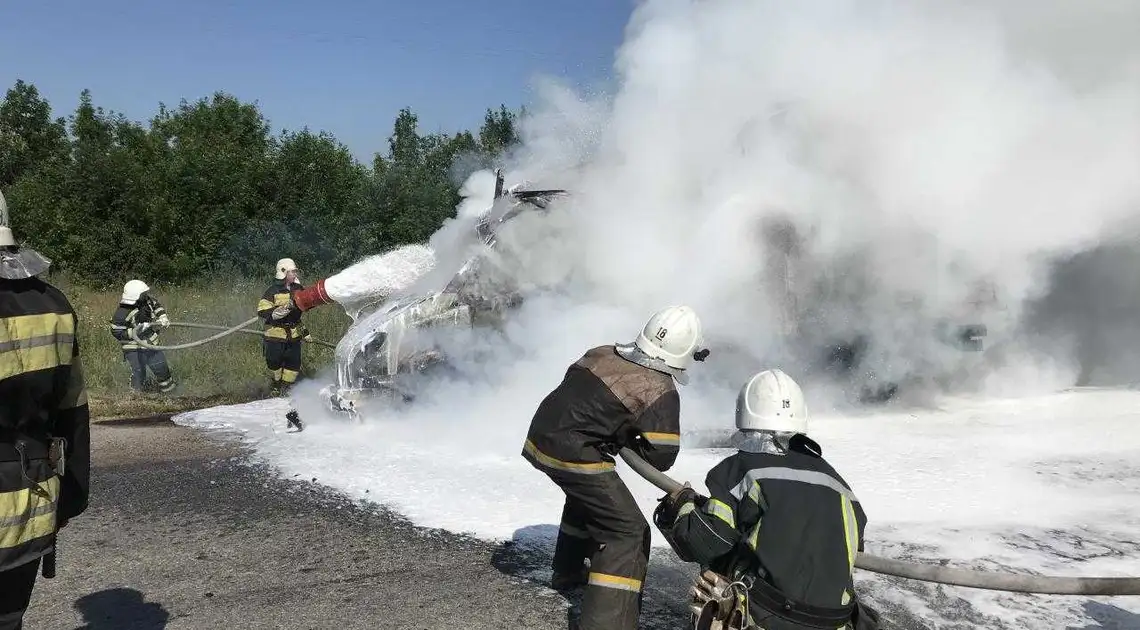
{"x": 921, "y": 150}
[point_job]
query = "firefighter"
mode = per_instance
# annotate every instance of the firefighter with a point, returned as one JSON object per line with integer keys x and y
{"x": 284, "y": 331}
{"x": 143, "y": 315}
{"x": 778, "y": 518}
{"x": 44, "y": 422}
{"x": 614, "y": 396}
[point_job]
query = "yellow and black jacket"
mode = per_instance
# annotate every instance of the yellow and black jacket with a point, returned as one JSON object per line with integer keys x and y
{"x": 42, "y": 396}
{"x": 288, "y": 328}
{"x": 789, "y": 520}
{"x": 604, "y": 403}
{"x": 146, "y": 311}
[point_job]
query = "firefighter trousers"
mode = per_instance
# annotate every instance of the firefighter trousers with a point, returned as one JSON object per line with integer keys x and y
{"x": 602, "y": 521}
{"x": 16, "y": 586}
{"x": 283, "y": 358}
{"x": 140, "y": 360}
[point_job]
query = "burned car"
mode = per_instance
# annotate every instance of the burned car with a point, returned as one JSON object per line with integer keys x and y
{"x": 396, "y": 341}
{"x": 392, "y": 340}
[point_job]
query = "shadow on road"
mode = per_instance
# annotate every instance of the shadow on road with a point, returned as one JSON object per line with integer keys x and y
{"x": 1108, "y": 617}
{"x": 528, "y": 554}
{"x": 120, "y": 609}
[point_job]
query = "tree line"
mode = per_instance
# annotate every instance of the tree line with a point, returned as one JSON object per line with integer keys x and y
{"x": 207, "y": 189}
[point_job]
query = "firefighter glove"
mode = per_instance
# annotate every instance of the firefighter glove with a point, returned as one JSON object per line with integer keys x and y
{"x": 280, "y": 312}
{"x": 163, "y": 321}
{"x": 672, "y": 503}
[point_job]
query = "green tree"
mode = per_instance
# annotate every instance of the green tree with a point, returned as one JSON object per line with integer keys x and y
{"x": 498, "y": 133}
{"x": 217, "y": 179}
{"x": 28, "y": 135}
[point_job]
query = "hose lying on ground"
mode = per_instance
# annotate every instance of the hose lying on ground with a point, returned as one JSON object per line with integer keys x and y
{"x": 200, "y": 342}
{"x": 1046, "y": 585}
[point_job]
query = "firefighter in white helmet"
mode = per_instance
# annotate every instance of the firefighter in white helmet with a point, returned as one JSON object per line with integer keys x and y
{"x": 138, "y": 318}
{"x": 284, "y": 330}
{"x": 777, "y": 514}
{"x": 45, "y": 452}
{"x": 614, "y": 396}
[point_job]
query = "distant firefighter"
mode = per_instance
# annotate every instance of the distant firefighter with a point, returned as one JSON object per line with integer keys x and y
{"x": 284, "y": 330}
{"x": 139, "y": 312}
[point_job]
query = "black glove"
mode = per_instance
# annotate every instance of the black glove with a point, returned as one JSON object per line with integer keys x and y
{"x": 666, "y": 513}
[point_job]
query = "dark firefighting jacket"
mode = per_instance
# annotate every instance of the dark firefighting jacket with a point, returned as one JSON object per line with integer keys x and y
{"x": 42, "y": 396}
{"x": 604, "y": 403}
{"x": 288, "y": 328}
{"x": 789, "y": 520}
{"x": 142, "y": 314}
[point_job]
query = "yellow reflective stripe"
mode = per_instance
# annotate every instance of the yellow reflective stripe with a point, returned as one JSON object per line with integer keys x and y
{"x": 850, "y": 531}
{"x": 721, "y": 510}
{"x": 686, "y": 508}
{"x": 26, "y": 515}
{"x": 284, "y": 334}
{"x": 76, "y": 394}
{"x": 289, "y": 376}
{"x": 754, "y": 493}
{"x": 264, "y": 304}
{"x": 281, "y": 299}
{"x": 276, "y": 332}
{"x": 851, "y": 535}
{"x": 29, "y": 343}
{"x": 615, "y": 581}
{"x": 664, "y": 439}
{"x": 23, "y": 327}
{"x": 754, "y": 535}
{"x": 589, "y": 468}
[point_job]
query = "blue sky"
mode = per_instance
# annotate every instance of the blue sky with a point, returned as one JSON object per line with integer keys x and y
{"x": 345, "y": 66}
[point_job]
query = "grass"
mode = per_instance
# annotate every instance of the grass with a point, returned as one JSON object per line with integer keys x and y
{"x": 229, "y": 370}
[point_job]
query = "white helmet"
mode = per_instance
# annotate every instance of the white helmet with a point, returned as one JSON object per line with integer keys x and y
{"x": 673, "y": 336}
{"x": 284, "y": 266}
{"x": 132, "y": 291}
{"x": 771, "y": 401}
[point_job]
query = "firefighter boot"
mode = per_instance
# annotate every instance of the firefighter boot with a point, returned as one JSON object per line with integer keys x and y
{"x": 294, "y": 420}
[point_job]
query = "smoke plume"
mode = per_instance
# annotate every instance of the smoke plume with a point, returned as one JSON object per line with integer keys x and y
{"x": 864, "y": 174}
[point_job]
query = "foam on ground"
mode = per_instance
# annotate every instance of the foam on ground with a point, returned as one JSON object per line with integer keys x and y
{"x": 1044, "y": 483}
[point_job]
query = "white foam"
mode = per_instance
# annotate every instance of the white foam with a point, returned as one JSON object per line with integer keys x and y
{"x": 961, "y": 483}
{"x": 377, "y": 277}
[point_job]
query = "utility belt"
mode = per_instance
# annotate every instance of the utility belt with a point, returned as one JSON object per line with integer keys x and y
{"x": 25, "y": 448}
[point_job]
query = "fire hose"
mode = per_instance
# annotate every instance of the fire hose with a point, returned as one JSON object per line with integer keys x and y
{"x": 225, "y": 332}
{"x": 1039, "y": 584}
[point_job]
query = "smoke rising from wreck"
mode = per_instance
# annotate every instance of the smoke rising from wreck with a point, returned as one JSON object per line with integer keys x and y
{"x": 867, "y": 169}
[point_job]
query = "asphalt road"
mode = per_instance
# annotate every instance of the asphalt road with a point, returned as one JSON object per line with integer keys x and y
{"x": 184, "y": 532}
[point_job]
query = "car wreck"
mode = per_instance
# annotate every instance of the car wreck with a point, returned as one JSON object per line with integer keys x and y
{"x": 393, "y": 340}
{"x": 388, "y": 344}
